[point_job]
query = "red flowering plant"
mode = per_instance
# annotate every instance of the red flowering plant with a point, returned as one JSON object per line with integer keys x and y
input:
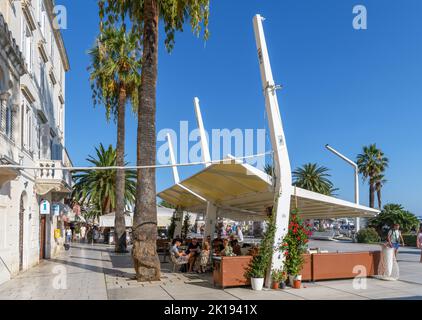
{"x": 294, "y": 244}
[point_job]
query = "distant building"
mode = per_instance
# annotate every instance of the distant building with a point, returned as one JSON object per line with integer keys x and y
{"x": 33, "y": 63}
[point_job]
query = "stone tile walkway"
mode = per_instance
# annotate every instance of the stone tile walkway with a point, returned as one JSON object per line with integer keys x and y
{"x": 94, "y": 272}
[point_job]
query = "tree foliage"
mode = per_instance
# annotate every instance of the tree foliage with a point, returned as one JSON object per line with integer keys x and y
{"x": 186, "y": 226}
{"x": 313, "y": 177}
{"x": 96, "y": 188}
{"x": 261, "y": 261}
{"x": 295, "y": 243}
{"x": 392, "y": 214}
{"x": 173, "y": 13}
{"x": 372, "y": 163}
{"x": 115, "y": 66}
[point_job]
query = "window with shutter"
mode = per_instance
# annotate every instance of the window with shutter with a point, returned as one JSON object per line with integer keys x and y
{"x": 3, "y": 116}
{"x": 13, "y": 115}
{"x": 8, "y": 121}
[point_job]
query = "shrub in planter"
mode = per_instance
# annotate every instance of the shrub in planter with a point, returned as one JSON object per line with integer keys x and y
{"x": 294, "y": 245}
{"x": 261, "y": 261}
{"x": 368, "y": 235}
{"x": 278, "y": 276}
{"x": 410, "y": 240}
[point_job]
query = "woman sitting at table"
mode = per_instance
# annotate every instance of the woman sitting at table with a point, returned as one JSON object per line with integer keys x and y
{"x": 204, "y": 257}
{"x": 217, "y": 245}
{"x": 236, "y": 247}
{"x": 228, "y": 250}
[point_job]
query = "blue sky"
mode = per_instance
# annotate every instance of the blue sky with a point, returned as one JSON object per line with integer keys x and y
{"x": 344, "y": 87}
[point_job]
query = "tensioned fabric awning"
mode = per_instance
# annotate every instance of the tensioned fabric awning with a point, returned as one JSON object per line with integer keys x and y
{"x": 243, "y": 192}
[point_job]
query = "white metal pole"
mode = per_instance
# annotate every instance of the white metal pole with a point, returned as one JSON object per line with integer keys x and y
{"x": 356, "y": 172}
{"x": 212, "y": 210}
{"x": 206, "y": 157}
{"x": 173, "y": 160}
{"x": 282, "y": 169}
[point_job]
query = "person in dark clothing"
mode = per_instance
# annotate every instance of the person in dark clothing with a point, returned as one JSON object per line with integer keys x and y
{"x": 236, "y": 248}
{"x": 194, "y": 249}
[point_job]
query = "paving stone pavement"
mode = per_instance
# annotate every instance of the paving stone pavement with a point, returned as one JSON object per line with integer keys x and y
{"x": 95, "y": 272}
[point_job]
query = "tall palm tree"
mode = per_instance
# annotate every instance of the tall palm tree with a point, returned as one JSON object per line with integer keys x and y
{"x": 145, "y": 16}
{"x": 371, "y": 163}
{"x": 379, "y": 183}
{"x": 115, "y": 77}
{"x": 313, "y": 177}
{"x": 96, "y": 188}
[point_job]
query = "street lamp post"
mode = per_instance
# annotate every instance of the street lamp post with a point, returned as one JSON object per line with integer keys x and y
{"x": 355, "y": 166}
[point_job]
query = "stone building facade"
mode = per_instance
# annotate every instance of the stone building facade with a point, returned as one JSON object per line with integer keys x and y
{"x": 33, "y": 65}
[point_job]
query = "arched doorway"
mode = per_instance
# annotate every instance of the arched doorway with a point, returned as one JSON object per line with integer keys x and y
{"x": 22, "y": 205}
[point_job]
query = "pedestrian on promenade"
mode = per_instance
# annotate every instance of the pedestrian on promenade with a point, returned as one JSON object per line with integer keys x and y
{"x": 83, "y": 233}
{"x": 68, "y": 234}
{"x": 419, "y": 240}
{"x": 394, "y": 238}
{"x": 239, "y": 233}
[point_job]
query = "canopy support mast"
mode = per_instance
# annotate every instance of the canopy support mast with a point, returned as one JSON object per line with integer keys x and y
{"x": 282, "y": 169}
{"x": 212, "y": 210}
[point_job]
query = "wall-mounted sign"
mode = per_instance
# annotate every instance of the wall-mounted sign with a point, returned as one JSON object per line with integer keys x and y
{"x": 55, "y": 209}
{"x": 45, "y": 207}
{"x": 57, "y": 233}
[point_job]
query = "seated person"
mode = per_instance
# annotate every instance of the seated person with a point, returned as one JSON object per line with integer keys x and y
{"x": 228, "y": 250}
{"x": 217, "y": 245}
{"x": 236, "y": 248}
{"x": 181, "y": 257}
{"x": 202, "y": 261}
{"x": 232, "y": 238}
{"x": 193, "y": 250}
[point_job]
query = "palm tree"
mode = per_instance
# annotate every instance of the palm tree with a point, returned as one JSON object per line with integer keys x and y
{"x": 379, "y": 183}
{"x": 269, "y": 169}
{"x": 115, "y": 77}
{"x": 96, "y": 188}
{"x": 145, "y": 16}
{"x": 371, "y": 163}
{"x": 313, "y": 177}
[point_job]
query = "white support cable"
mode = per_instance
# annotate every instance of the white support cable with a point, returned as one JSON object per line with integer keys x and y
{"x": 20, "y": 167}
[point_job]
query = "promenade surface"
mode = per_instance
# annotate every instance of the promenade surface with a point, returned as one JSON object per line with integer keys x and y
{"x": 94, "y": 272}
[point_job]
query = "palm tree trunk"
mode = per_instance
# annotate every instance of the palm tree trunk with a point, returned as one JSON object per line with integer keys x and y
{"x": 144, "y": 253}
{"x": 106, "y": 205}
{"x": 119, "y": 220}
{"x": 371, "y": 195}
{"x": 379, "y": 198}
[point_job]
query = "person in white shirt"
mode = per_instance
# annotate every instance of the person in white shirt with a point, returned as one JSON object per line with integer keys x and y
{"x": 394, "y": 238}
{"x": 68, "y": 234}
{"x": 239, "y": 233}
{"x": 83, "y": 233}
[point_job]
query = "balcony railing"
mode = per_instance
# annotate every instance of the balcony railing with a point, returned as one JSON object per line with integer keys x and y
{"x": 52, "y": 178}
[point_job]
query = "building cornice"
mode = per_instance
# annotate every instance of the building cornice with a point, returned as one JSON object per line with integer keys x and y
{"x": 57, "y": 34}
{"x": 11, "y": 49}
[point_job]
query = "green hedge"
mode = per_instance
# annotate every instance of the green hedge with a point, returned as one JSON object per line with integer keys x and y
{"x": 409, "y": 240}
{"x": 368, "y": 235}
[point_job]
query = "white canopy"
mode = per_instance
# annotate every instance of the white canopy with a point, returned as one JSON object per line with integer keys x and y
{"x": 107, "y": 220}
{"x": 243, "y": 192}
{"x": 163, "y": 215}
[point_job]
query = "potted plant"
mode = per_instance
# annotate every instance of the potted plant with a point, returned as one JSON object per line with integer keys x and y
{"x": 278, "y": 276}
{"x": 256, "y": 274}
{"x": 283, "y": 279}
{"x": 294, "y": 246}
{"x": 261, "y": 261}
